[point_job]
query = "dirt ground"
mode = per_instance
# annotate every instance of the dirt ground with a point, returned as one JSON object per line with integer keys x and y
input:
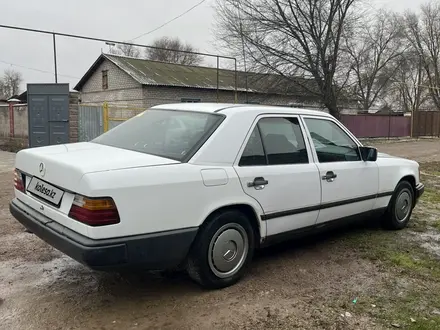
{"x": 360, "y": 277}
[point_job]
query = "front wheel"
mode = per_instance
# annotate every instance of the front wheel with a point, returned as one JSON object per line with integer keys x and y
{"x": 222, "y": 250}
{"x": 400, "y": 208}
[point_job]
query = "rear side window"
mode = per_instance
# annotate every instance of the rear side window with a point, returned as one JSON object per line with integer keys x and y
{"x": 275, "y": 141}
{"x": 253, "y": 153}
{"x": 166, "y": 133}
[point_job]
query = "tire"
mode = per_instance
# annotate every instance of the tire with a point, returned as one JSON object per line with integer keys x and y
{"x": 222, "y": 250}
{"x": 400, "y": 207}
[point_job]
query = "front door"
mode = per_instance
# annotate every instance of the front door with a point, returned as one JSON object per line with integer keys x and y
{"x": 349, "y": 184}
{"x": 275, "y": 168}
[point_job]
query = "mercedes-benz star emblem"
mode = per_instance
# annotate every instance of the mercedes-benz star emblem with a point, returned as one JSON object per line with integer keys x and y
{"x": 42, "y": 169}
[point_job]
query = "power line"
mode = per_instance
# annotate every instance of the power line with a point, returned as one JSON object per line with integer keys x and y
{"x": 109, "y": 41}
{"x": 170, "y": 21}
{"x": 42, "y": 71}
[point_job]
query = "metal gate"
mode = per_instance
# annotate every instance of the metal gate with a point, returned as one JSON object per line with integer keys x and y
{"x": 48, "y": 112}
{"x": 90, "y": 122}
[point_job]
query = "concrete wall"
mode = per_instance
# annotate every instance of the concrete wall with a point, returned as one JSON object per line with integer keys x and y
{"x": 20, "y": 138}
{"x": 4, "y": 121}
{"x": 20, "y": 121}
{"x": 122, "y": 89}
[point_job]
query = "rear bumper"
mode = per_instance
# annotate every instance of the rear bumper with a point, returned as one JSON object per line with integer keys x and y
{"x": 420, "y": 189}
{"x": 158, "y": 251}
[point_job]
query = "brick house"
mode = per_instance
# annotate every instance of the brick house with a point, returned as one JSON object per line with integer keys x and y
{"x": 143, "y": 83}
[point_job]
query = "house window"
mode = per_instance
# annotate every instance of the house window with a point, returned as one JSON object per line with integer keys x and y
{"x": 189, "y": 100}
{"x": 105, "y": 79}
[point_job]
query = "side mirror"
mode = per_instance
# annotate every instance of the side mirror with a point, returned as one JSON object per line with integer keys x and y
{"x": 368, "y": 154}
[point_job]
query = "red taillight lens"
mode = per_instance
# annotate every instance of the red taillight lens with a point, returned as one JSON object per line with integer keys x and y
{"x": 94, "y": 211}
{"x": 18, "y": 181}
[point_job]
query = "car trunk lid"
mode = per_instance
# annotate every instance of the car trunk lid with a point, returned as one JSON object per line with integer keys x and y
{"x": 64, "y": 165}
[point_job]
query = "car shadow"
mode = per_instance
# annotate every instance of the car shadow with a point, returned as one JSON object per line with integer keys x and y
{"x": 314, "y": 240}
{"x": 178, "y": 283}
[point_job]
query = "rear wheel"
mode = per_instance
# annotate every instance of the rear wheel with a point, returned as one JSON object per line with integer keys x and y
{"x": 400, "y": 208}
{"x": 222, "y": 250}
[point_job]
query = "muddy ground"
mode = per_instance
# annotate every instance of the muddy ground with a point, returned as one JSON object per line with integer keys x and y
{"x": 360, "y": 277}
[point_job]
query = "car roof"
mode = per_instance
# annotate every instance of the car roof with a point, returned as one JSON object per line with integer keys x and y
{"x": 231, "y": 108}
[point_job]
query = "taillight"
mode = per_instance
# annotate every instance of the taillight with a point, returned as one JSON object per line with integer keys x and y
{"x": 18, "y": 181}
{"x": 94, "y": 211}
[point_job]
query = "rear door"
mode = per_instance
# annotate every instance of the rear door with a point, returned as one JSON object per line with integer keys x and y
{"x": 349, "y": 184}
{"x": 275, "y": 168}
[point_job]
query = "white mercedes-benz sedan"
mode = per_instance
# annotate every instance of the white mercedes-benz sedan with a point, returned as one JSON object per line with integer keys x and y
{"x": 201, "y": 186}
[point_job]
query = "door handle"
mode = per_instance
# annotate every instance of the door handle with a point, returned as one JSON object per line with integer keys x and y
{"x": 258, "y": 183}
{"x": 329, "y": 176}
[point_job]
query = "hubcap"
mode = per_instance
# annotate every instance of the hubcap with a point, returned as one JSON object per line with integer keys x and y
{"x": 228, "y": 250}
{"x": 403, "y": 205}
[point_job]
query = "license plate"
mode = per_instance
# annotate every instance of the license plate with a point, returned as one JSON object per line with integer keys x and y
{"x": 45, "y": 191}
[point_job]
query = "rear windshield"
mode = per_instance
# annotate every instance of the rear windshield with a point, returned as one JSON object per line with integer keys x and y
{"x": 166, "y": 133}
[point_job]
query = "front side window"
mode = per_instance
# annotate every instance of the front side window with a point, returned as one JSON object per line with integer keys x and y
{"x": 275, "y": 141}
{"x": 331, "y": 143}
{"x": 165, "y": 133}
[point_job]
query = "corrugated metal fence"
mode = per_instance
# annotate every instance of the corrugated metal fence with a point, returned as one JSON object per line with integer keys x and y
{"x": 427, "y": 123}
{"x": 377, "y": 126}
{"x": 90, "y": 122}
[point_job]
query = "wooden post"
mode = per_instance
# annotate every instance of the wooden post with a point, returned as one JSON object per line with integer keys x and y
{"x": 105, "y": 116}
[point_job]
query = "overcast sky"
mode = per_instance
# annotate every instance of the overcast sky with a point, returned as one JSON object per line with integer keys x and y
{"x": 32, "y": 53}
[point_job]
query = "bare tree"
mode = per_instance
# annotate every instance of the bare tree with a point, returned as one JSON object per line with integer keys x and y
{"x": 423, "y": 32}
{"x": 291, "y": 38}
{"x": 408, "y": 89}
{"x": 126, "y": 50}
{"x": 173, "y": 51}
{"x": 374, "y": 49}
{"x": 2, "y": 90}
{"x": 10, "y": 83}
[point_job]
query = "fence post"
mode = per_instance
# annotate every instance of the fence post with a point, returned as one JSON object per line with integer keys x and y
{"x": 218, "y": 77}
{"x": 11, "y": 120}
{"x": 105, "y": 116}
{"x": 389, "y": 124}
{"x": 415, "y": 124}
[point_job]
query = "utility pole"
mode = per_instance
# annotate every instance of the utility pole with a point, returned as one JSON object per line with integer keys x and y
{"x": 244, "y": 51}
{"x": 55, "y": 58}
